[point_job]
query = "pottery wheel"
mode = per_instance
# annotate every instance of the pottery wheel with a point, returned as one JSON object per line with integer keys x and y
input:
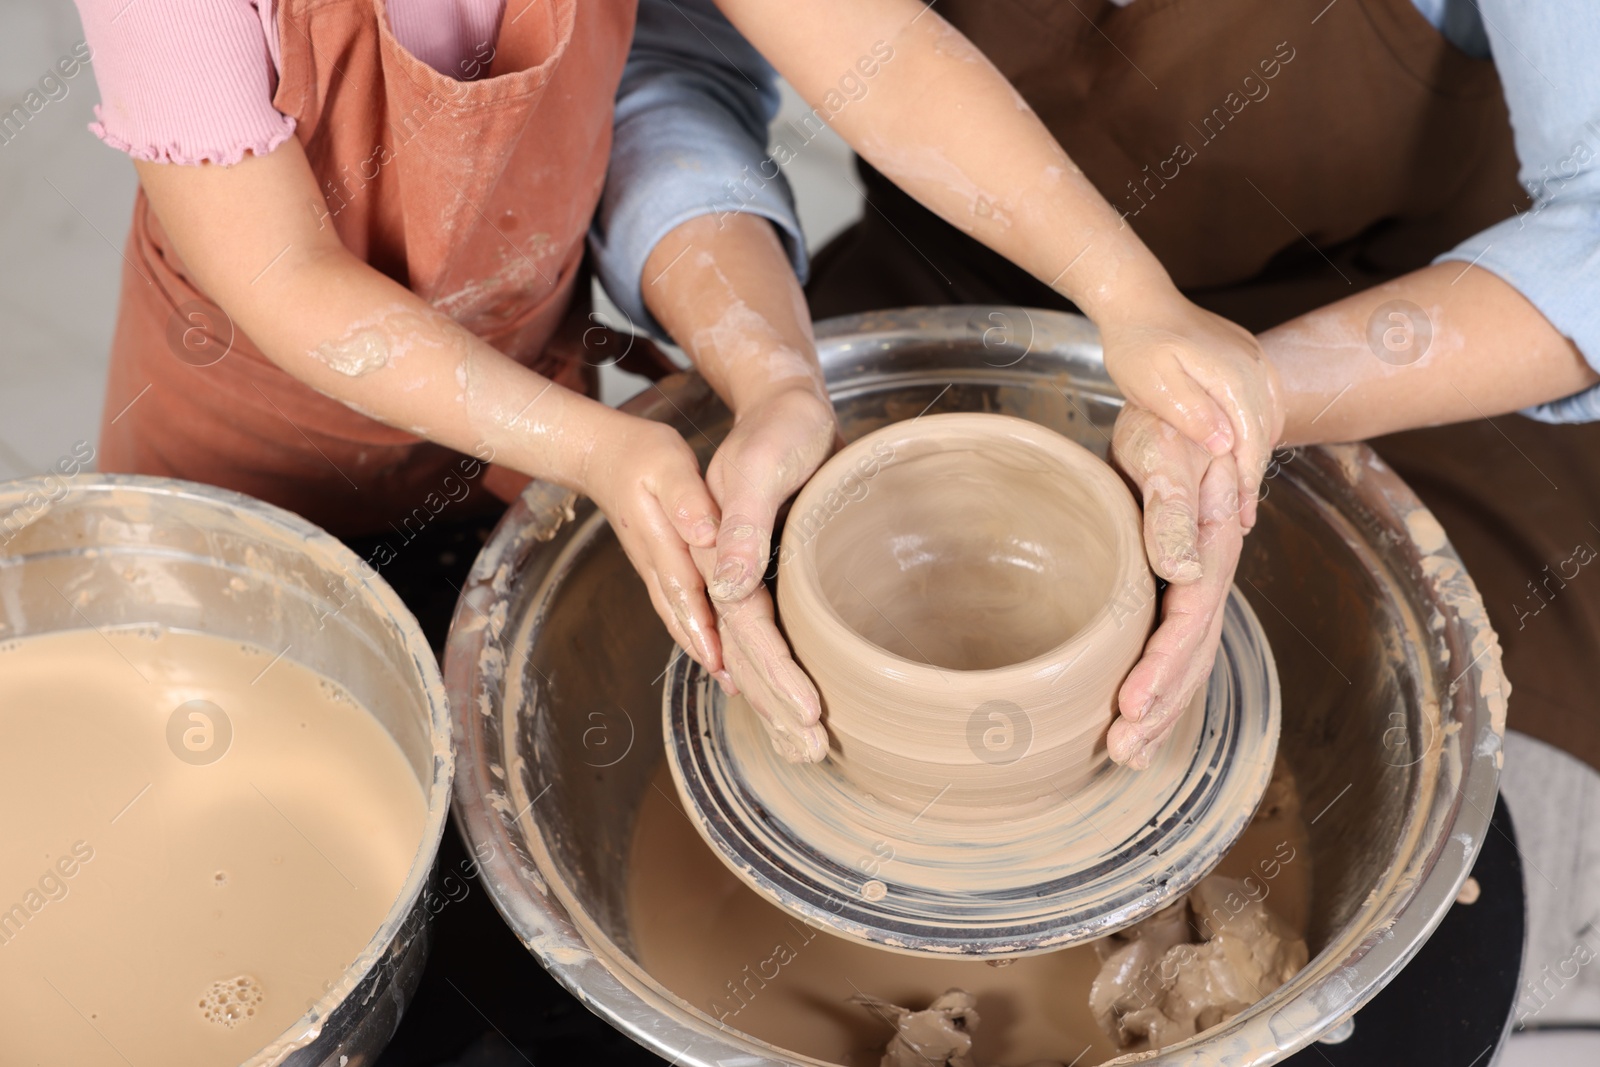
{"x": 1072, "y": 869}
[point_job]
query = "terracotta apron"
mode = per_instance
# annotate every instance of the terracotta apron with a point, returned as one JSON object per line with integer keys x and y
{"x": 475, "y": 195}
{"x": 1375, "y": 139}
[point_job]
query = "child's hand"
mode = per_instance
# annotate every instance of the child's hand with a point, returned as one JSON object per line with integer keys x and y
{"x": 724, "y": 288}
{"x": 1206, "y": 377}
{"x": 646, "y": 480}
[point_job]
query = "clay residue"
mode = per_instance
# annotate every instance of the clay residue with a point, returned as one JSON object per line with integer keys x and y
{"x": 1271, "y": 861}
{"x": 371, "y": 344}
{"x": 1193, "y": 965}
{"x": 1455, "y": 587}
{"x": 704, "y": 935}
{"x": 947, "y": 845}
{"x": 742, "y": 335}
{"x": 354, "y": 355}
{"x": 939, "y": 1035}
{"x": 477, "y": 304}
{"x": 1425, "y": 530}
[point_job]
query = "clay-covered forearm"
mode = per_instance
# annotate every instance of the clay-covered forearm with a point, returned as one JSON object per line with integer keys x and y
{"x": 250, "y": 235}
{"x": 1444, "y": 344}
{"x": 723, "y": 288}
{"x": 936, "y": 117}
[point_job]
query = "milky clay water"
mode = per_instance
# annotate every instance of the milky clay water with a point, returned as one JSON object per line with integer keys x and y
{"x": 199, "y": 838}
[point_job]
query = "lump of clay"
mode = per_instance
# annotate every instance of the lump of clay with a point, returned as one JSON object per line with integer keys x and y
{"x": 939, "y": 1035}
{"x": 1192, "y": 966}
{"x": 1127, "y": 995}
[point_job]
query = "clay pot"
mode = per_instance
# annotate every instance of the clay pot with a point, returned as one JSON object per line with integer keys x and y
{"x": 968, "y": 592}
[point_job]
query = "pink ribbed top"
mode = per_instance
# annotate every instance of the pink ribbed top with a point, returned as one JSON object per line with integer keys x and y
{"x": 191, "y": 81}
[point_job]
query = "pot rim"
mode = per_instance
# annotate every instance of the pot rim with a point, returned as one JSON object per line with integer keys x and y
{"x": 1131, "y": 571}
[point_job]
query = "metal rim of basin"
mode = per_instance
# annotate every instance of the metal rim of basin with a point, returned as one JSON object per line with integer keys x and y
{"x": 1351, "y": 489}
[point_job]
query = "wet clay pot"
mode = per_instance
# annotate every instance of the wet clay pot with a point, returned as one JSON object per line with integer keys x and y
{"x": 968, "y": 592}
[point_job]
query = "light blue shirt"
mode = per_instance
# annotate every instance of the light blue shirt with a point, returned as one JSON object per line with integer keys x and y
{"x": 696, "y": 99}
{"x": 690, "y": 139}
{"x": 1548, "y": 56}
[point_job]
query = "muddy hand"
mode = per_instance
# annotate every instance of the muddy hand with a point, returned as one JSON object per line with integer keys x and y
{"x": 1206, "y": 377}
{"x": 775, "y": 445}
{"x": 757, "y": 663}
{"x": 646, "y": 480}
{"x": 1193, "y": 536}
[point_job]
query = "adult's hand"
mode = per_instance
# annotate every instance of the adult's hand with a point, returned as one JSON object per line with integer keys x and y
{"x": 759, "y": 664}
{"x": 775, "y": 445}
{"x": 724, "y": 289}
{"x": 1206, "y": 377}
{"x": 1192, "y": 535}
{"x": 646, "y": 480}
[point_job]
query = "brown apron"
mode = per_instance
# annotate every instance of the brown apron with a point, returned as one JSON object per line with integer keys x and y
{"x": 1235, "y": 134}
{"x": 476, "y": 195}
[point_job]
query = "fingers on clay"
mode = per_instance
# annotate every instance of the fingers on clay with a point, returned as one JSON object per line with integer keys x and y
{"x": 742, "y": 548}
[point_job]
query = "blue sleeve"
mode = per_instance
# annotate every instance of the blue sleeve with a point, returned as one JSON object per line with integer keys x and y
{"x": 1546, "y": 52}
{"x": 690, "y": 139}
